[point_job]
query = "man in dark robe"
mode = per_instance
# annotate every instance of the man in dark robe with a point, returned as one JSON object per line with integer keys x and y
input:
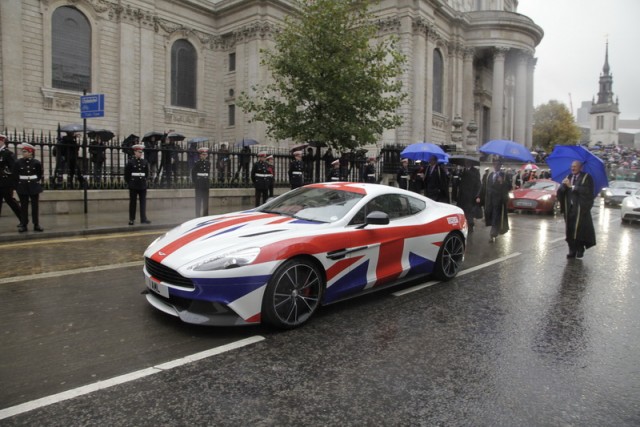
{"x": 436, "y": 181}
{"x": 494, "y": 197}
{"x": 576, "y": 200}
{"x": 468, "y": 191}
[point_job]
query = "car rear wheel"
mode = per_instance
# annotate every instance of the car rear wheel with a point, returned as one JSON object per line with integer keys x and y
{"x": 293, "y": 294}
{"x": 450, "y": 257}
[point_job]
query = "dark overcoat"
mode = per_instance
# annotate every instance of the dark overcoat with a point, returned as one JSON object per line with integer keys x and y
{"x": 494, "y": 197}
{"x": 575, "y": 204}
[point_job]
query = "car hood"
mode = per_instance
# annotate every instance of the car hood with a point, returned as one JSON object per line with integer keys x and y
{"x": 224, "y": 233}
{"x": 527, "y": 193}
{"x": 634, "y": 200}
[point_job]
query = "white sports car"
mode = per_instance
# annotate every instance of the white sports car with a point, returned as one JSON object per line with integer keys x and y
{"x": 311, "y": 246}
{"x": 618, "y": 190}
{"x": 630, "y": 208}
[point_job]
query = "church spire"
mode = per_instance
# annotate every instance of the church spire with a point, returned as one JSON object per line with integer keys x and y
{"x": 605, "y": 69}
{"x": 605, "y": 95}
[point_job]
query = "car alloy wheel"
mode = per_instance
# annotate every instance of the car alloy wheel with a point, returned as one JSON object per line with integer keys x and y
{"x": 293, "y": 294}
{"x": 450, "y": 257}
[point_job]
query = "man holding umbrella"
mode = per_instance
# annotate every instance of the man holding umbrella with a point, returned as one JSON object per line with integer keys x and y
{"x": 576, "y": 200}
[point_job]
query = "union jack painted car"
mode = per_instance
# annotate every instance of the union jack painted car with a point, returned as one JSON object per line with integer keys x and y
{"x": 311, "y": 246}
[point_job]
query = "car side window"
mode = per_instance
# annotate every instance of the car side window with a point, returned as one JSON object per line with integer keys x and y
{"x": 394, "y": 205}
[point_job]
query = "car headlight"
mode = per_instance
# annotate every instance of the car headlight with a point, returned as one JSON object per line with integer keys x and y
{"x": 608, "y": 193}
{"x": 546, "y": 197}
{"x": 227, "y": 260}
{"x": 511, "y": 195}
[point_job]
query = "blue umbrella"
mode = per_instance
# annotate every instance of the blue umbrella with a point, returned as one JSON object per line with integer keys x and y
{"x": 560, "y": 164}
{"x": 423, "y": 151}
{"x": 508, "y": 150}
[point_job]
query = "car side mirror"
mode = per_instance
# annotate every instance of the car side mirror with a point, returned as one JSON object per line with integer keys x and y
{"x": 375, "y": 218}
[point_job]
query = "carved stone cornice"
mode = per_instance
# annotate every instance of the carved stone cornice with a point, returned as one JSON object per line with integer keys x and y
{"x": 388, "y": 25}
{"x": 455, "y": 49}
{"x": 422, "y": 26}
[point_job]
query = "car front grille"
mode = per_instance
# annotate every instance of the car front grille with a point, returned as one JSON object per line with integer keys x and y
{"x": 166, "y": 274}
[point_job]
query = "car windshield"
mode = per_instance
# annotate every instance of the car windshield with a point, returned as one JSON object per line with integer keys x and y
{"x": 540, "y": 185}
{"x": 313, "y": 204}
{"x": 624, "y": 185}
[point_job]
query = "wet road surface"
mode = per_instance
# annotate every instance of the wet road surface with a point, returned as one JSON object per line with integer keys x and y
{"x": 534, "y": 339}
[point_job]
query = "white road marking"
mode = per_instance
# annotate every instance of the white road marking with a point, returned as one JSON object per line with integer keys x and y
{"x": 101, "y": 385}
{"x": 69, "y": 272}
{"x": 462, "y": 273}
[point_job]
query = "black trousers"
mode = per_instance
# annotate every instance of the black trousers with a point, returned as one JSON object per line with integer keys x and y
{"x": 134, "y": 194}
{"x": 261, "y": 194}
{"x": 24, "y": 209}
{"x": 6, "y": 194}
{"x": 202, "y": 201}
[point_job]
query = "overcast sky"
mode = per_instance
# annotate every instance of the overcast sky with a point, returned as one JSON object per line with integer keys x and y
{"x": 571, "y": 54}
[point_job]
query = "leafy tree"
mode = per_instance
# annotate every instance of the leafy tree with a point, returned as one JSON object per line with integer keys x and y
{"x": 332, "y": 80}
{"x": 553, "y": 124}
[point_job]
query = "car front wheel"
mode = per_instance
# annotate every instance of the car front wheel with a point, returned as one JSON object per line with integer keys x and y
{"x": 293, "y": 294}
{"x": 450, "y": 257}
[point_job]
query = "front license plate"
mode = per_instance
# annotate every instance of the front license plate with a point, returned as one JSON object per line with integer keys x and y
{"x": 525, "y": 203}
{"x": 157, "y": 287}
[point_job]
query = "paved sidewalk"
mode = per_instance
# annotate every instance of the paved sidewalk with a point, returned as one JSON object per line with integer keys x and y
{"x": 67, "y": 225}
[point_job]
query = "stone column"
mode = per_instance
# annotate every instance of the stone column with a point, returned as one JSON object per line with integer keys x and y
{"x": 468, "y": 86}
{"x": 147, "y": 77}
{"x": 529, "y": 125}
{"x": 521, "y": 99}
{"x": 12, "y": 64}
{"x": 418, "y": 92}
{"x": 497, "y": 104}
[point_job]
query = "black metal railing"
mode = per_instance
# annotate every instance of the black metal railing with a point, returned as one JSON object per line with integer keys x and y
{"x": 76, "y": 166}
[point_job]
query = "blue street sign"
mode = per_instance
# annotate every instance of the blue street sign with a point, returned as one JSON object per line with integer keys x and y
{"x": 92, "y": 106}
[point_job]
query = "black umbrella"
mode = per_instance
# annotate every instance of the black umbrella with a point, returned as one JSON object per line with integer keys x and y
{"x": 175, "y": 136}
{"x": 147, "y": 136}
{"x": 462, "y": 160}
{"x": 75, "y": 127}
{"x": 246, "y": 142}
{"x": 104, "y": 134}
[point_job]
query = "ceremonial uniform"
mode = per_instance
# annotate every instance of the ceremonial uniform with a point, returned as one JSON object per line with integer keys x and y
{"x": 7, "y": 181}
{"x": 402, "y": 175}
{"x": 334, "y": 174}
{"x": 136, "y": 174}
{"x": 296, "y": 171}
{"x": 28, "y": 172}
{"x": 201, "y": 177}
{"x": 369, "y": 172}
{"x": 260, "y": 177}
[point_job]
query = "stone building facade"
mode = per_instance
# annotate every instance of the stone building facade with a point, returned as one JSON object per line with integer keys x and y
{"x": 469, "y": 73}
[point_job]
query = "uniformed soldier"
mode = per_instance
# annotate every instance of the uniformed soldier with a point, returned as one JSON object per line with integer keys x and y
{"x": 260, "y": 177}
{"x": 369, "y": 173}
{"x": 296, "y": 170}
{"x": 136, "y": 174}
{"x": 272, "y": 171}
{"x": 7, "y": 182}
{"x": 28, "y": 172}
{"x": 402, "y": 176}
{"x": 201, "y": 177}
{"x": 335, "y": 175}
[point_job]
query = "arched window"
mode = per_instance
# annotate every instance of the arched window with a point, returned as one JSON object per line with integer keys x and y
{"x": 438, "y": 71}
{"x": 183, "y": 74}
{"x": 70, "y": 50}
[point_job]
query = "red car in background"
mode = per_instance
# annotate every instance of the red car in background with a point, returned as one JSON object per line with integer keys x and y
{"x": 537, "y": 196}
